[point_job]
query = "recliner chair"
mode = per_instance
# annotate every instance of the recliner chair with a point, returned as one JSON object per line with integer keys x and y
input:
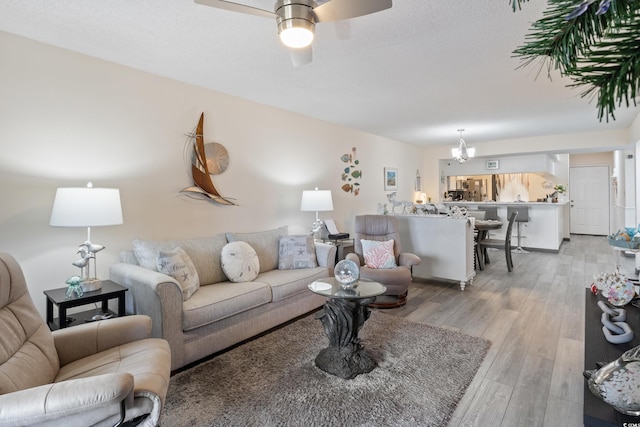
{"x": 397, "y": 280}
{"x": 102, "y": 373}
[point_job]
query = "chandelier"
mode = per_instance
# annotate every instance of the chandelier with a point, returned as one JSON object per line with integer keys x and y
{"x": 462, "y": 153}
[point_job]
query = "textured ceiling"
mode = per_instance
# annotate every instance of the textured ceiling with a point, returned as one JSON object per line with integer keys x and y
{"x": 414, "y": 73}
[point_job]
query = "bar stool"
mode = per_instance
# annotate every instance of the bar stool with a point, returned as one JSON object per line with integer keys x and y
{"x": 491, "y": 212}
{"x": 523, "y": 216}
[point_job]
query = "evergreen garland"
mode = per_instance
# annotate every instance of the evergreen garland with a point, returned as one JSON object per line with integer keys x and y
{"x": 595, "y": 43}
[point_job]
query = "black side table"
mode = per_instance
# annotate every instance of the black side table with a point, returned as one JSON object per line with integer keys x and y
{"x": 344, "y": 246}
{"x": 109, "y": 290}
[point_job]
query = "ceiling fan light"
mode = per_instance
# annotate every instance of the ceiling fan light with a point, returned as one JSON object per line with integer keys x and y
{"x": 296, "y": 33}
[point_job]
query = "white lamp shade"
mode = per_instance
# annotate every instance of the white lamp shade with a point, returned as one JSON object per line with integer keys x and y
{"x": 316, "y": 200}
{"x": 86, "y": 207}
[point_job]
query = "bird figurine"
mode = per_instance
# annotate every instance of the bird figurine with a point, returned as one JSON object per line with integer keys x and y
{"x": 92, "y": 247}
{"x": 82, "y": 262}
{"x": 87, "y": 251}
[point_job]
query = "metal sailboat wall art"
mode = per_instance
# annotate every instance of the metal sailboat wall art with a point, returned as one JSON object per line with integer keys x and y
{"x": 202, "y": 167}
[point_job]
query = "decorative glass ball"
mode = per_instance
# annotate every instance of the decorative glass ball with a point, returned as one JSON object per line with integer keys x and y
{"x": 346, "y": 272}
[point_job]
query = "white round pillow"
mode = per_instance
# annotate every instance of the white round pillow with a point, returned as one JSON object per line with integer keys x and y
{"x": 240, "y": 262}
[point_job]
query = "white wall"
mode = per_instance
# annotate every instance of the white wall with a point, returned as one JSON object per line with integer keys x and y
{"x": 66, "y": 118}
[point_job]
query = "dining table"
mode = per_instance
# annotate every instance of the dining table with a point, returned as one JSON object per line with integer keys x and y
{"x": 483, "y": 226}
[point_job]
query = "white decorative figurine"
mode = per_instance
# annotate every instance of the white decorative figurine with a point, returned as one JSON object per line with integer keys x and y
{"x": 392, "y": 199}
{"x": 87, "y": 251}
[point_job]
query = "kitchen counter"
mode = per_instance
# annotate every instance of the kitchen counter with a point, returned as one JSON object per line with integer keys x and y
{"x": 473, "y": 205}
{"x": 543, "y": 231}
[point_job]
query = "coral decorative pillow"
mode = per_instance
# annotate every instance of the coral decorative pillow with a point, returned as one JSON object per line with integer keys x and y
{"x": 177, "y": 264}
{"x": 240, "y": 262}
{"x": 296, "y": 252}
{"x": 378, "y": 254}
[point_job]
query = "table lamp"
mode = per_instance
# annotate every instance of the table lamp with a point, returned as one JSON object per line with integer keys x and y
{"x": 316, "y": 200}
{"x": 87, "y": 207}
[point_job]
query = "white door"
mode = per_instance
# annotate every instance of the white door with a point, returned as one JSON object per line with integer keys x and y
{"x": 589, "y": 203}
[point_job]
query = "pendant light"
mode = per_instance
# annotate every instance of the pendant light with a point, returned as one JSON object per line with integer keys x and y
{"x": 462, "y": 153}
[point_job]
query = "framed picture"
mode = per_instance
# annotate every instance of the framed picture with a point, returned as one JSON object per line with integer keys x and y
{"x": 493, "y": 164}
{"x": 390, "y": 179}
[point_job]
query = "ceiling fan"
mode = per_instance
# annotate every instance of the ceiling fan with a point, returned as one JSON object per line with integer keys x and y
{"x": 296, "y": 19}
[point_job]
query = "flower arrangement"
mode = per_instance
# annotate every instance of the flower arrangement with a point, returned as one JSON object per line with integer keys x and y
{"x": 560, "y": 188}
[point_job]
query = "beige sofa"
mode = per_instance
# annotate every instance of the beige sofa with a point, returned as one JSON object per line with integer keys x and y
{"x": 220, "y": 313}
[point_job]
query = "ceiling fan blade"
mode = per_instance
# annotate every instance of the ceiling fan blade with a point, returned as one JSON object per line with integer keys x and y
{"x": 301, "y": 56}
{"x": 335, "y": 10}
{"x": 236, "y": 7}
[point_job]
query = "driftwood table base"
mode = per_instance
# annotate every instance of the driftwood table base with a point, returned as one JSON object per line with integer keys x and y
{"x": 342, "y": 320}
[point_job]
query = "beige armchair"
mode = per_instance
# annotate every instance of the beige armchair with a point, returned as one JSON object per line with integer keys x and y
{"x": 97, "y": 374}
{"x": 397, "y": 280}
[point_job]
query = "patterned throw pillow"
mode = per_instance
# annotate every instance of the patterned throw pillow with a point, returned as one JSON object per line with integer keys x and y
{"x": 177, "y": 264}
{"x": 297, "y": 252}
{"x": 240, "y": 262}
{"x": 378, "y": 254}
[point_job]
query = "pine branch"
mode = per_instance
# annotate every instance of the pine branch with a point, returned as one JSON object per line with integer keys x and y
{"x": 597, "y": 45}
{"x": 517, "y": 3}
{"x": 611, "y": 70}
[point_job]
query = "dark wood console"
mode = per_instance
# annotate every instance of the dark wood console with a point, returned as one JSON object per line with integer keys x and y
{"x": 598, "y": 349}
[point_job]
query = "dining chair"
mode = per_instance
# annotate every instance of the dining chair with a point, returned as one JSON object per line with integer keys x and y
{"x": 491, "y": 212}
{"x": 477, "y": 214}
{"x": 505, "y": 244}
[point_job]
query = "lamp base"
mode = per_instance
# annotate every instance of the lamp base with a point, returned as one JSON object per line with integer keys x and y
{"x": 89, "y": 285}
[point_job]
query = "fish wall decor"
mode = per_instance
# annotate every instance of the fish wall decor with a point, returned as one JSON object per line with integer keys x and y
{"x": 351, "y": 173}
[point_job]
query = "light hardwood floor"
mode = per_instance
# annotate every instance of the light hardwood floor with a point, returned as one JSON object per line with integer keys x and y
{"x": 534, "y": 317}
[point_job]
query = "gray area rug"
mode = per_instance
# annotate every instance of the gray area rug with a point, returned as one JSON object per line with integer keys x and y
{"x": 421, "y": 376}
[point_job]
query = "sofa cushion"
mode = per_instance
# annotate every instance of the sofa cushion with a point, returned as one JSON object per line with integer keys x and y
{"x": 265, "y": 243}
{"x": 204, "y": 253}
{"x": 378, "y": 254}
{"x": 285, "y": 283}
{"x": 240, "y": 262}
{"x": 177, "y": 264}
{"x": 296, "y": 252}
{"x": 221, "y": 300}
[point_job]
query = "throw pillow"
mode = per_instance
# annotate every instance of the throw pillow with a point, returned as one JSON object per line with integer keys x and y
{"x": 240, "y": 262}
{"x": 296, "y": 252}
{"x": 177, "y": 264}
{"x": 204, "y": 253}
{"x": 378, "y": 254}
{"x": 265, "y": 244}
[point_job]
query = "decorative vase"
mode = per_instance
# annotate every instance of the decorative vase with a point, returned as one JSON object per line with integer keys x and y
{"x": 346, "y": 273}
{"x": 615, "y": 287}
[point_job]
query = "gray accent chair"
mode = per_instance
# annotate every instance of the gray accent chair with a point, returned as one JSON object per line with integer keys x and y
{"x": 97, "y": 374}
{"x": 397, "y": 280}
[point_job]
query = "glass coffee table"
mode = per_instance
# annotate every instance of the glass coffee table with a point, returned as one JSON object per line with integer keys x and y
{"x": 343, "y": 316}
